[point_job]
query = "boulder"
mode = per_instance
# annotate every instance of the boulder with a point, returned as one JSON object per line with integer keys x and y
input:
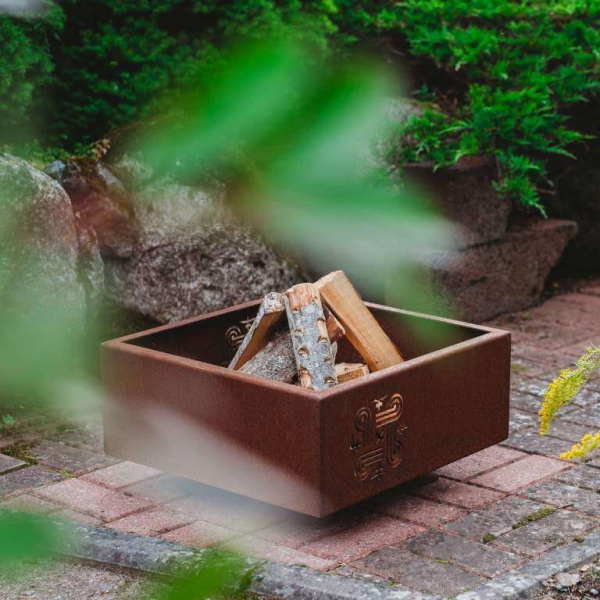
{"x": 101, "y": 201}
{"x": 481, "y": 282}
{"x": 39, "y": 246}
{"x": 191, "y": 256}
{"x": 465, "y": 194}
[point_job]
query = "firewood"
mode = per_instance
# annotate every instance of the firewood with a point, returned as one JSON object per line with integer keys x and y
{"x": 348, "y": 371}
{"x": 275, "y": 361}
{"x": 270, "y": 312}
{"x": 335, "y": 331}
{"x": 362, "y": 330}
{"x": 310, "y": 340}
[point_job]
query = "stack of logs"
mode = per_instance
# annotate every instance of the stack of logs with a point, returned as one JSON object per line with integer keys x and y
{"x": 302, "y": 347}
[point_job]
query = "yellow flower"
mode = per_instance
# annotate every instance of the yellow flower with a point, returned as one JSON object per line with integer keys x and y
{"x": 567, "y": 385}
{"x": 588, "y": 443}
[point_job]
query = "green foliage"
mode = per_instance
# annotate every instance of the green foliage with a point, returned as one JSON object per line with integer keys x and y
{"x": 25, "y": 67}
{"x": 116, "y": 56}
{"x": 505, "y": 73}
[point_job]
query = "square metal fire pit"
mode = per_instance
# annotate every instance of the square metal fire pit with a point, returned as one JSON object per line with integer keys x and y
{"x": 176, "y": 407}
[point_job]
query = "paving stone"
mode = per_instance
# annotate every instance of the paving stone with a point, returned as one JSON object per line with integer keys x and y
{"x": 419, "y": 573}
{"x": 562, "y": 495}
{"x": 200, "y": 534}
{"x": 457, "y": 493}
{"x": 497, "y": 519}
{"x": 479, "y": 462}
{"x": 27, "y": 479}
{"x": 482, "y": 559}
{"x": 258, "y": 548}
{"x": 30, "y": 504}
{"x": 361, "y": 539}
{"x": 520, "y": 420}
{"x": 521, "y": 473}
{"x": 61, "y": 457}
{"x": 91, "y": 499}
{"x": 533, "y": 442}
{"x": 8, "y": 463}
{"x": 535, "y": 387}
{"x": 587, "y": 416}
{"x": 416, "y": 510}
{"x": 567, "y": 430}
{"x": 89, "y": 435}
{"x": 354, "y": 573}
{"x": 229, "y": 510}
{"x": 300, "y": 530}
{"x": 551, "y": 359}
{"x": 525, "y": 401}
{"x": 66, "y": 514}
{"x": 582, "y": 476}
{"x": 540, "y": 536}
{"x": 122, "y": 474}
{"x": 150, "y": 522}
{"x": 161, "y": 489}
{"x": 525, "y": 368}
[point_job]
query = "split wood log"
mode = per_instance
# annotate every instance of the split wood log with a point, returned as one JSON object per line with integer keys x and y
{"x": 362, "y": 330}
{"x": 312, "y": 348}
{"x": 270, "y": 312}
{"x": 348, "y": 371}
{"x": 276, "y": 360}
{"x": 335, "y": 330}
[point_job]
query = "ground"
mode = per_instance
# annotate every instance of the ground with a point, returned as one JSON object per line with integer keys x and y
{"x": 449, "y": 532}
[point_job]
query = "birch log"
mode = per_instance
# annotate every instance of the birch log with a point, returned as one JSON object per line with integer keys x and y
{"x": 362, "y": 330}
{"x": 270, "y": 312}
{"x": 310, "y": 340}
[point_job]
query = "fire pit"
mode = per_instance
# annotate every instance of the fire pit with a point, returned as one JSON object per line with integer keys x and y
{"x": 174, "y": 405}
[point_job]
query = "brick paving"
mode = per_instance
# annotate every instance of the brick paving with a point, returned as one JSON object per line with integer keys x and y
{"x": 449, "y": 532}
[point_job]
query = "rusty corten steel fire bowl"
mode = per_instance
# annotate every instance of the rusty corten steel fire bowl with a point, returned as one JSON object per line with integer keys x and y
{"x": 176, "y": 407}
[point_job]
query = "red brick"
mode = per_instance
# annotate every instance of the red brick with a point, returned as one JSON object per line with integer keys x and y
{"x": 70, "y": 515}
{"x": 481, "y": 461}
{"x": 300, "y": 530}
{"x": 362, "y": 539}
{"x": 200, "y": 534}
{"x": 150, "y": 522}
{"x": 125, "y": 473}
{"x": 91, "y": 499}
{"x": 259, "y": 548}
{"x": 417, "y": 510}
{"x": 455, "y": 492}
{"x": 30, "y": 504}
{"x": 521, "y": 473}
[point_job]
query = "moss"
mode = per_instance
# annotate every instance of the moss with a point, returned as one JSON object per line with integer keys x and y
{"x": 579, "y": 539}
{"x": 488, "y": 537}
{"x": 538, "y": 515}
{"x": 21, "y": 451}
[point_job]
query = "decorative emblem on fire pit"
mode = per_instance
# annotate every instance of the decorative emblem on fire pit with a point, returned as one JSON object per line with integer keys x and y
{"x": 236, "y": 333}
{"x": 377, "y": 441}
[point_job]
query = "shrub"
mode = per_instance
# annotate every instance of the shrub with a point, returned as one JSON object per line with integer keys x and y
{"x": 116, "y": 56}
{"x": 505, "y": 75}
{"x": 25, "y": 67}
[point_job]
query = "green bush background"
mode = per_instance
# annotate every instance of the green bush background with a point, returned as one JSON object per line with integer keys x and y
{"x": 495, "y": 77}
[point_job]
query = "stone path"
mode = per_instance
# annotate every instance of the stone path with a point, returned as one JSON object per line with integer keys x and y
{"x": 452, "y": 531}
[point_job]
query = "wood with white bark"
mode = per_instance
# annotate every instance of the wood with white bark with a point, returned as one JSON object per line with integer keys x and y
{"x": 270, "y": 312}
{"x": 349, "y": 371}
{"x": 275, "y": 361}
{"x": 362, "y": 329}
{"x": 310, "y": 340}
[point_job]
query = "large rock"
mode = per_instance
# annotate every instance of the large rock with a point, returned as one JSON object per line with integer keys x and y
{"x": 484, "y": 281}
{"x": 190, "y": 256}
{"x": 39, "y": 246}
{"x": 100, "y": 200}
{"x": 466, "y": 195}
